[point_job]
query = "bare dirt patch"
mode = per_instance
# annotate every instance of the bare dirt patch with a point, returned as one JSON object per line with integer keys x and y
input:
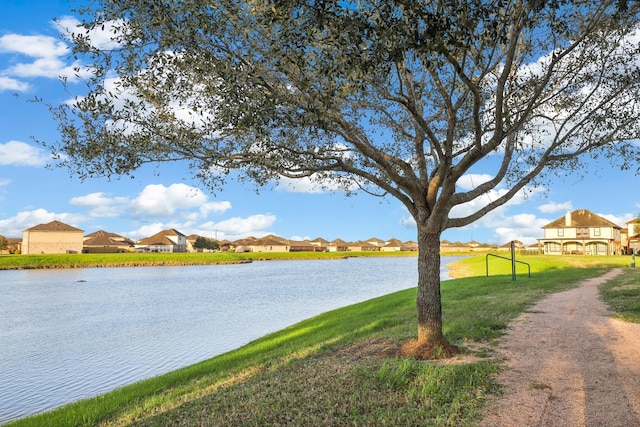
{"x": 569, "y": 364}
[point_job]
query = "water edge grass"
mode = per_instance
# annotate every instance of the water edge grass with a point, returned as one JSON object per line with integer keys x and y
{"x": 330, "y": 370}
{"x": 132, "y": 259}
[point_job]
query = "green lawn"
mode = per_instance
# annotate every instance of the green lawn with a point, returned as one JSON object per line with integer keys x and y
{"x": 159, "y": 259}
{"x": 332, "y": 369}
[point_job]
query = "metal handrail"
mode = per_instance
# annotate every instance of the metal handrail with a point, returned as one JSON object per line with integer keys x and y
{"x": 513, "y": 270}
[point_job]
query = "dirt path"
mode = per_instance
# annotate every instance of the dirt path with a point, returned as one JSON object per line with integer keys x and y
{"x": 568, "y": 364}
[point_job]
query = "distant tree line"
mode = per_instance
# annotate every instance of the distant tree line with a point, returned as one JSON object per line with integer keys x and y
{"x": 204, "y": 243}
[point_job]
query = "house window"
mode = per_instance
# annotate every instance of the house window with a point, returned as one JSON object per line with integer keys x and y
{"x": 582, "y": 232}
{"x": 552, "y": 247}
{"x": 561, "y": 232}
{"x": 596, "y": 231}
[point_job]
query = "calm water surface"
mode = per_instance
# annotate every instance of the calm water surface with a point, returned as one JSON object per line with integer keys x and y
{"x": 74, "y": 333}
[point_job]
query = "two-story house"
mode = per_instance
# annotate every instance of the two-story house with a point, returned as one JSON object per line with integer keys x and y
{"x": 631, "y": 242}
{"x": 54, "y": 237}
{"x": 165, "y": 241}
{"x": 580, "y": 232}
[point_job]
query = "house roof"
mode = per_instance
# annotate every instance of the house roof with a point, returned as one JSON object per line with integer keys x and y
{"x": 161, "y": 238}
{"x": 54, "y": 226}
{"x": 393, "y": 243}
{"x": 362, "y": 244}
{"x": 338, "y": 242}
{"x": 517, "y": 243}
{"x": 113, "y": 236}
{"x": 375, "y": 241}
{"x": 273, "y": 237}
{"x": 102, "y": 233}
{"x": 104, "y": 241}
{"x": 581, "y": 218}
{"x": 305, "y": 242}
{"x": 271, "y": 241}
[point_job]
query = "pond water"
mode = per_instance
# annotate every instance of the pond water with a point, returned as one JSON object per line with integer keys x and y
{"x": 70, "y": 334}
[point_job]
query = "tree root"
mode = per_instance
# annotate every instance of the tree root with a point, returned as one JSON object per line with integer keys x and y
{"x": 422, "y": 350}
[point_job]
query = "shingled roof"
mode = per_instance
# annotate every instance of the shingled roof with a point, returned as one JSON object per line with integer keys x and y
{"x": 581, "y": 218}
{"x": 54, "y": 226}
{"x": 161, "y": 238}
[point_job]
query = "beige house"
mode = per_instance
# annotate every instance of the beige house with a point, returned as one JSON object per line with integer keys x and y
{"x": 304, "y": 246}
{"x": 517, "y": 244}
{"x": 337, "y": 245}
{"x": 270, "y": 243}
{"x": 393, "y": 245}
{"x": 165, "y": 241}
{"x": 53, "y": 238}
{"x": 105, "y": 242}
{"x": 361, "y": 246}
{"x": 409, "y": 245}
{"x": 581, "y": 232}
{"x": 632, "y": 241}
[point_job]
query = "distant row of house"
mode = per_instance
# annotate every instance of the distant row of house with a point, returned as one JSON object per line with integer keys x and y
{"x": 58, "y": 237}
{"x": 577, "y": 232}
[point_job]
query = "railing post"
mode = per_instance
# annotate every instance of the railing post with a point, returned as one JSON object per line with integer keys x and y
{"x": 513, "y": 261}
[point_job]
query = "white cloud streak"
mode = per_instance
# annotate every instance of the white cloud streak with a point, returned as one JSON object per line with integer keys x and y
{"x": 16, "y": 153}
{"x": 555, "y": 207}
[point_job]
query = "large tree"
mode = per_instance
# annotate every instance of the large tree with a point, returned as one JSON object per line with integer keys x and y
{"x": 393, "y": 97}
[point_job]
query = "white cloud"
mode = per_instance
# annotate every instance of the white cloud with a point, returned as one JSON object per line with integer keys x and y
{"x": 34, "y": 56}
{"x": 101, "y": 206}
{"x": 7, "y": 83}
{"x": 148, "y": 230}
{"x": 158, "y": 200}
{"x": 555, "y": 207}
{"x": 214, "y": 207}
{"x": 13, "y": 226}
{"x": 177, "y": 206}
{"x": 34, "y": 46}
{"x": 312, "y": 185}
{"x": 478, "y": 203}
{"x": 236, "y": 228}
{"x": 37, "y": 56}
{"x": 470, "y": 181}
{"x": 177, "y": 201}
{"x": 229, "y": 229}
{"x": 298, "y": 185}
{"x": 299, "y": 238}
{"x": 18, "y": 153}
{"x": 49, "y": 67}
{"x": 524, "y": 227}
{"x": 620, "y": 220}
{"x": 408, "y": 221}
{"x": 100, "y": 37}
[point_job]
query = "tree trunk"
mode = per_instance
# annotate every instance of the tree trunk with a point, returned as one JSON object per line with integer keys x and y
{"x": 429, "y": 302}
{"x": 431, "y": 342}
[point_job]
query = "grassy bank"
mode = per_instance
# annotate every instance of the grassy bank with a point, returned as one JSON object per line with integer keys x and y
{"x": 12, "y": 262}
{"x": 331, "y": 369}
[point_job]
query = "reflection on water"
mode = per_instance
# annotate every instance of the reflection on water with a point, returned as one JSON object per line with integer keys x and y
{"x": 74, "y": 333}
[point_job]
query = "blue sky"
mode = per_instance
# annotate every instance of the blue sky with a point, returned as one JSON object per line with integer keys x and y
{"x": 33, "y": 56}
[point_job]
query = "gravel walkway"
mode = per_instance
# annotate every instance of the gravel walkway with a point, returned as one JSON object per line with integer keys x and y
{"x": 569, "y": 364}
